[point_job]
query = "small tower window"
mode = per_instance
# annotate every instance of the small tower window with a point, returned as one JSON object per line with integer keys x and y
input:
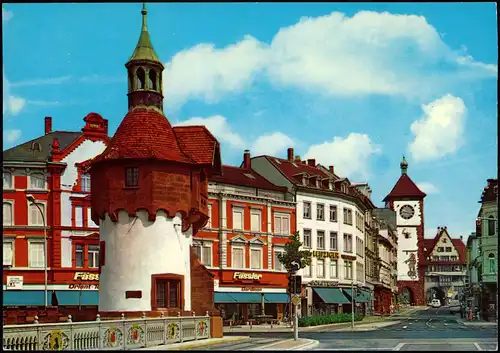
{"x": 152, "y": 80}
{"x": 141, "y": 78}
{"x": 130, "y": 81}
{"x": 131, "y": 176}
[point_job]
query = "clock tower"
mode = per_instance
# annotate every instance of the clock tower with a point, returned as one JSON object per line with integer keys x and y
{"x": 407, "y": 200}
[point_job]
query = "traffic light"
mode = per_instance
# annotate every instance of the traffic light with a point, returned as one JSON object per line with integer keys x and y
{"x": 295, "y": 284}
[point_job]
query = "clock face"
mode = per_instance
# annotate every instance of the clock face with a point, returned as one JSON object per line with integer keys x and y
{"x": 407, "y": 211}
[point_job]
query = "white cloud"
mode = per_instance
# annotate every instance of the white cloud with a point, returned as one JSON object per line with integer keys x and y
{"x": 272, "y": 144}
{"x": 428, "y": 188}
{"x": 335, "y": 55}
{"x": 12, "y": 105}
{"x": 440, "y": 130}
{"x": 219, "y": 127}
{"x": 11, "y": 136}
{"x": 6, "y": 14}
{"x": 350, "y": 155}
{"x": 43, "y": 81}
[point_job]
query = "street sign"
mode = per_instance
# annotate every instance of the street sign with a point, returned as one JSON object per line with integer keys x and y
{"x": 295, "y": 265}
{"x": 295, "y": 300}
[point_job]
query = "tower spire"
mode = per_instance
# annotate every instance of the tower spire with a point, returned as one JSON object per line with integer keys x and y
{"x": 145, "y": 71}
{"x": 404, "y": 166}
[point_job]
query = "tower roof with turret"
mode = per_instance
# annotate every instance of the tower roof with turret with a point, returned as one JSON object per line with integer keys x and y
{"x": 405, "y": 187}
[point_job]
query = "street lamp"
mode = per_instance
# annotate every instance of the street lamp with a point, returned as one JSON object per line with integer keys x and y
{"x": 32, "y": 199}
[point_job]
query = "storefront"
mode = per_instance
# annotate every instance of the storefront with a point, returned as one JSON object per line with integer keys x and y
{"x": 383, "y": 300}
{"x": 328, "y": 297}
{"x": 243, "y": 296}
{"x": 79, "y": 290}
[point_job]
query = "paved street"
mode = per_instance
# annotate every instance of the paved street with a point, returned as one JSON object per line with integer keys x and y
{"x": 428, "y": 330}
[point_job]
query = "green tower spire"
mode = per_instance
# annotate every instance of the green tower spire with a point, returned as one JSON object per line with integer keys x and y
{"x": 144, "y": 49}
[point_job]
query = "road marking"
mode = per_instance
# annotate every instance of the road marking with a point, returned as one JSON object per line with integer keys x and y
{"x": 405, "y": 326}
{"x": 399, "y": 346}
{"x": 477, "y": 347}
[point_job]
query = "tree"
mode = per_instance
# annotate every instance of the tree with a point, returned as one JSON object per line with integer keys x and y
{"x": 294, "y": 253}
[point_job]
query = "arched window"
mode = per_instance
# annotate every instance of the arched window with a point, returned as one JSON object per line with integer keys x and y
{"x": 492, "y": 263}
{"x": 152, "y": 80}
{"x": 7, "y": 214}
{"x": 130, "y": 81}
{"x": 491, "y": 225}
{"x": 141, "y": 78}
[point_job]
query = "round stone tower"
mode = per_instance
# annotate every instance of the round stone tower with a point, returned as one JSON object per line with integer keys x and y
{"x": 149, "y": 196}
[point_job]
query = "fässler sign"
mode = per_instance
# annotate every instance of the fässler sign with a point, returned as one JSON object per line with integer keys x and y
{"x": 245, "y": 275}
{"x": 325, "y": 254}
{"x": 86, "y": 276}
{"x": 83, "y": 286}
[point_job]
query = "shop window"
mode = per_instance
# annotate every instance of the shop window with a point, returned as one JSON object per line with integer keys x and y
{"x": 167, "y": 293}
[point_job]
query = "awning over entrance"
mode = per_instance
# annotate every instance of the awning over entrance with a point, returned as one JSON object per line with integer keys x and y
{"x": 24, "y": 297}
{"x": 331, "y": 295}
{"x": 362, "y": 296}
{"x": 248, "y": 298}
{"x": 75, "y": 297}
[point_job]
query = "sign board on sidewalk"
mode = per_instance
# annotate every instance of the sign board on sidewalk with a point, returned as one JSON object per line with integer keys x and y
{"x": 295, "y": 300}
{"x": 15, "y": 282}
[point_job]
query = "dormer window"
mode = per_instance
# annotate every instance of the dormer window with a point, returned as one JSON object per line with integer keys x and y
{"x": 304, "y": 180}
{"x": 330, "y": 185}
{"x": 131, "y": 176}
{"x": 86, "y": 182}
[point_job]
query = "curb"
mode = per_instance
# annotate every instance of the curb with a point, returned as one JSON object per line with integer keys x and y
{"x": 195, "y": 344}
{"x": 306, "y": 347}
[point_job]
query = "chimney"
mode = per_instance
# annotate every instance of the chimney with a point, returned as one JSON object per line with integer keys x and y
{"x": 297, "y": 159}
{"x": 290, "y": 154}
{"x": 48, "y": 125}
{"x": 331, "y": 169}
{"x": 246, "y": 160}
{"x": 311, "y": 162}
{"x": 105, "y": 125}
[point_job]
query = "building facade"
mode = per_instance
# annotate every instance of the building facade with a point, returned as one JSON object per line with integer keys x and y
{"x": 445, "y": 267}
{"x": 49, "y": 169}
{"x": 331, "y": 224}
{"x": 472, "y": 295}
{"x": 407, "y": 200}
{"x": 250, "y": 222}
{"x": 386, "y": 288}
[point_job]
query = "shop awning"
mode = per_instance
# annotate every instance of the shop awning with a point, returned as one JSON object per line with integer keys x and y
{"x": 236, "y": 297}
{"x": 75, "y": 297}
{"x": 277, "y": 298}
{"x": 24, "y": 297}
{"x": 362, "y": 296}
{"x": 331, "y": 295}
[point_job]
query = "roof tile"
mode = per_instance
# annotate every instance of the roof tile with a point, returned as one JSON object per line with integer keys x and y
{"x": 245, "y": 177}
{"x": 405, "y": 187}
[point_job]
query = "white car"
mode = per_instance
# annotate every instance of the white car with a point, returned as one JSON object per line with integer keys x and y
{"x": 436, "y": 303}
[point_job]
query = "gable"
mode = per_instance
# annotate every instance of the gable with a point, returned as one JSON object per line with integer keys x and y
{"x": 257, "y": 241}
{"x": 239, "y": 239}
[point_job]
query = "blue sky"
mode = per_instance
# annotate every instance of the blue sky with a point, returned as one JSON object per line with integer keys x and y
{"x": 355, "y": 85}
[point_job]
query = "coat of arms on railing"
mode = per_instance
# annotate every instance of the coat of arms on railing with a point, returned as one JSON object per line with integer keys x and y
{"x": 202, "y": 328}
{"x": 56, "y": 340}
{"x": 135, "y": 334}
{"x": 113, "y": 337}
{"x": 172, "y": 331}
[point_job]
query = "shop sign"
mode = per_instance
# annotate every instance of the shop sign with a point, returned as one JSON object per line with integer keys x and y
{"x": 324, "y": 254}
{"x": 247, "y": 276}
{"x": 79, "y": 286}
{"x": 349, "y": 257}
{"x": 317, "y": 283}
{"x": 15, "y": 282}
{"x": 251, "y": 289}
{"x": 86, "y": 276}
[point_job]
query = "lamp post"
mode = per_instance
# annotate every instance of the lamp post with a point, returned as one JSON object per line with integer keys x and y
{"x": 32, "y": 199}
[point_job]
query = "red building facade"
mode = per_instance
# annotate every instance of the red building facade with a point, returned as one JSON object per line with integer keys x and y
{"x": 250, "y": 222}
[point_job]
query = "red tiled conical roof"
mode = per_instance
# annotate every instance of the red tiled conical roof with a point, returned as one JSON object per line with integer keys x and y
{"x": 405, "y": 187}
{"x": 144, "y": 133}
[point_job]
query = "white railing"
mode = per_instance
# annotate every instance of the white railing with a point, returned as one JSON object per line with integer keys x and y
{"x": 106, "y": 334}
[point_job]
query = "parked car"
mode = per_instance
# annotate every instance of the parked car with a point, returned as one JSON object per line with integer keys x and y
{"x": 436, "y": 303}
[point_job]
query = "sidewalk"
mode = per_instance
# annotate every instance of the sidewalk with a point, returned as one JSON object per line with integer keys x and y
{"x": 195, "y": 344}
{"x": 476, "y": 322}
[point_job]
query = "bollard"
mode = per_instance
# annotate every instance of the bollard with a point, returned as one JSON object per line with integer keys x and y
{"x": 161, "y": 315}
{"x": 98, "y": 317}
{"x": 207, "y": 314}
{"x": 143, "y": 316}
{"x": 70, "y": 318}
{"x": 35, "y": 320}
{"x": 194, "y": 314}
{"x": 123, "y": 316}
